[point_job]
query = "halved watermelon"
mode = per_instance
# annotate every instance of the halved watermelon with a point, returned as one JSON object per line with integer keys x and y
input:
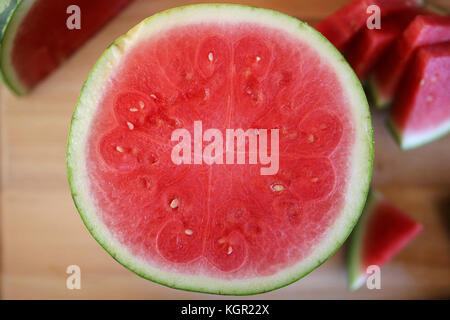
{"x": 421, "y": 111}
{"x": 423, "y": 30}
{"x": 345, "y": 23}
{"x": 36, "y": 39}
{"x": 380, "y": 234}
{"x": 368, "y": 46}
{"x": 220, "y": 228}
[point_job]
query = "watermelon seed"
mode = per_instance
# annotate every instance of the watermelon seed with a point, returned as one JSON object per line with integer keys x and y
{"x": 133, "y": 109}
{"x": 179, "y": 243}
{"x": 258, "y": 58}
{"x": 153, "y": 96}
{"x": 292, "y": 135}
{"x": 145, "y": 183}
{"x": 310, "y": 138}
{"x": 189, "y": 232}
{"x": 120, "y": 149}
{"x": 174, "y": 203}
{"x": 141, "y": 105}
{"x": 277, "y": 187}
{"x": 230, "y": 250}
{"x": 130, "y": 125}
{"x": 210, "y": 56}
{"x": 314, "y": 180}
{"x": 221, "y": 240}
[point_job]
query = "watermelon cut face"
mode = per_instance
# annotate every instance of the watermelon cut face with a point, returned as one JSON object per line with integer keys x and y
{"x": 220, "y": 228}
{"x": 380, "y": 234}
{"x": 344, "y": 24}
{"x": 421, "y": 111}
{"x": 369, "y": 45}
{"x": 34, "y": 45}
{"x": 423, "y": 30}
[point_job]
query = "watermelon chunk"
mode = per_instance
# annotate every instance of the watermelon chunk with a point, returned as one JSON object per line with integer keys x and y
{"x": 210, "y": 223}
{"x": 33, "y": 44}
{"x": 369, "y": 45}
{"x": 423, "y": 30}
{"x": 421, "y": 110}
{"x": 382, "y": 232}
{"x": 344, "y": 24}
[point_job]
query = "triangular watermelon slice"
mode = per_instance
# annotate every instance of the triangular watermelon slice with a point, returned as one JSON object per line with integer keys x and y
{"x": 423, "y": 30}
{"x": 421, "y": 110}
{"x": 369, "y": 44}
{"x": 382, "y": 231}
{"x": 344, "y": 24}
{"x": 209, "y": 223}
{"x": 36, "y": 38}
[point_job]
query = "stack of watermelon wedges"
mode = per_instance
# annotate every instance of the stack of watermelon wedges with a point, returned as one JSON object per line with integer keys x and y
{"x": 405, "y": 64}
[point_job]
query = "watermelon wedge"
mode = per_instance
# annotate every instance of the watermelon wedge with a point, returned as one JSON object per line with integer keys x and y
{"x": 423, "y": 30}
{"x": 208, "y": 221}
{"x": 345, "y": 23}
{"x": 382, "y": 232}
{"x": 421, "y": 111}
{"x": 33, "y": 44}
{"x": 369, "y": 45}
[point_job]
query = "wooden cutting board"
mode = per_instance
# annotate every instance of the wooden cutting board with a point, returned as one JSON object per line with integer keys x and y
{"x": 42, "y": 233}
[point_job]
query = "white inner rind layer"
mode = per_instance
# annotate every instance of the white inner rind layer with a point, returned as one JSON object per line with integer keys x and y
{"x": 9, "y": 74}
{"x": 409, "y": 139}
{"x": 360, "y": 161}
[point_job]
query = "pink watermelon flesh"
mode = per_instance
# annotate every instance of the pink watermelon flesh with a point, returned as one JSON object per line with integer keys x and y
{"x": 383, "y": 231}
{"x": 43, "y": 40}
{"x": 388, "y": 231}
{"x": 422, "y": 103}
{"x": 369, "y": 45}
{"x": 423, "y": 30}
{"x": 344, "y": 24}
{"x": 226, "y": 221}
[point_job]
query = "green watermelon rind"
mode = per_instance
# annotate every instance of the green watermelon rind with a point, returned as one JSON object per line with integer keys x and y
{"x": 91, "y": 94}
{"x": 375, "y": 97}
{"x": 435, "y": 8}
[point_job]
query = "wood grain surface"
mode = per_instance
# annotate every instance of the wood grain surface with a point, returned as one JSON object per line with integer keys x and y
{"x": 42, "y": 233}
